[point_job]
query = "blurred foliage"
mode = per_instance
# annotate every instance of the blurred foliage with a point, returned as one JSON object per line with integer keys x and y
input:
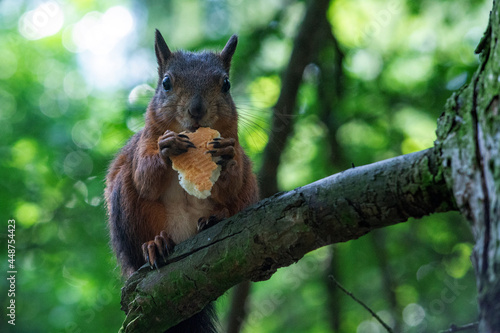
{"x": 75, "y": 78}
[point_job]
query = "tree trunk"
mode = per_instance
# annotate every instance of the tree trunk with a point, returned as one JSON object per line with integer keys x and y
{"x": 468, "y": 141}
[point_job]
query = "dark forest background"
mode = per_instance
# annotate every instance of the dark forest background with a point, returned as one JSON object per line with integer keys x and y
{"x": 76, "y": 77}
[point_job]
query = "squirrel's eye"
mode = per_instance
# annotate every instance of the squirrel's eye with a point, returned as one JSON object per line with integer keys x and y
{"x": 167, "y": 83}
{"x": 226, "y": 85}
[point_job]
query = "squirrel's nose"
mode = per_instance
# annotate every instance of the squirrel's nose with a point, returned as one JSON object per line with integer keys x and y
{"x": 197, "y": 108}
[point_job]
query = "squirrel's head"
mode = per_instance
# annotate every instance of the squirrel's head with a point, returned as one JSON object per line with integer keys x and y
{"x": 194, "y": 90}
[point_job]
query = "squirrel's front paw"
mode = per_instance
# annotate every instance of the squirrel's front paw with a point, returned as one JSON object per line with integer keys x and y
{"x": 224, "y": 148}
{"x": 160, "y": 247}
{"x": 173, "y": 144}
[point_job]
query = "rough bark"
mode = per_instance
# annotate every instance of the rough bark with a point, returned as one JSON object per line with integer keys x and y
{"x": 280, "y": 230}
{"x": 469, "y": 143}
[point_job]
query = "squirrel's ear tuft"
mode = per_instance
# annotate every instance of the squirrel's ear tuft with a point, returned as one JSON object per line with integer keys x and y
{"x": 162, "y": 52}
{"x": 228, "y": 51}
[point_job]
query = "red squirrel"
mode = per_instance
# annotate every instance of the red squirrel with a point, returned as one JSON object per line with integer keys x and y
{"x": 149, "y": 212}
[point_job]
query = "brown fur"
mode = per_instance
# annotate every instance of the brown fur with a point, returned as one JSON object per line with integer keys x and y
{"x": 142, "y": 192}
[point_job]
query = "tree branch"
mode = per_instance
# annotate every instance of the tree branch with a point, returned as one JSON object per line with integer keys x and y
{"x": 357, "y": 300}
{"x": 280, "y": 230}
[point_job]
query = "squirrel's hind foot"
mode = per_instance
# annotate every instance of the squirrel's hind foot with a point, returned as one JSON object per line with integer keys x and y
{"x": 155, "y": 252}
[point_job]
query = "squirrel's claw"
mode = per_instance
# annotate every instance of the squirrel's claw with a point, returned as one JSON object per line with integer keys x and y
{"x": 146, "y": 253}
{"x": 224, "y": 152}
{"x": 207, "y": 222}
{"x": 223, "y": 147}
{"x": 223, "y": 142}
{"x": 161, "y": 246}
{"x": 173, "y": 144}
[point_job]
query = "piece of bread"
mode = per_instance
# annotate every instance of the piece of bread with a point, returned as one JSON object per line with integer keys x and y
{"x": 197, "y": 169}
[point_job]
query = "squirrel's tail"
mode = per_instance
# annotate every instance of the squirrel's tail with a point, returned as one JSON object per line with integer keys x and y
{"x": 202, "y": 322}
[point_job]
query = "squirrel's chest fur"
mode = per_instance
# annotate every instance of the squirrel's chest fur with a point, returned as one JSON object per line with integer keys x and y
{"x": 183, "y": 211}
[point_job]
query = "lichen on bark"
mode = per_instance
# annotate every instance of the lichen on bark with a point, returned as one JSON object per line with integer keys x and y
{"x": 468, "y": 140}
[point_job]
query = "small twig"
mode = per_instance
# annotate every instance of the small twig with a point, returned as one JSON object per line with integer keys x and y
{"x": 361, "y": 303}
{"x": 454, "y": 328}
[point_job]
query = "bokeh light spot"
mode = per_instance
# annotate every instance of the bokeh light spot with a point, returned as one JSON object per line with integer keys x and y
{"x": 359, "y": 133}
{"x": 413, "y": 314}
{"x": 45, "y": 20}
{"x": 27, "y": 214}
{"x": 265, "y": 91}
{"x": 78, "y": 164}
{"x": 98, "y": 32}
{"x": 51, "y": 105}
{"x": 86, "y": 134}
{"x": 23, "y": 152}
{"x": 8, "y": 65}
{"x": 75, "y": 86}
{"x": 8, "y": 103}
